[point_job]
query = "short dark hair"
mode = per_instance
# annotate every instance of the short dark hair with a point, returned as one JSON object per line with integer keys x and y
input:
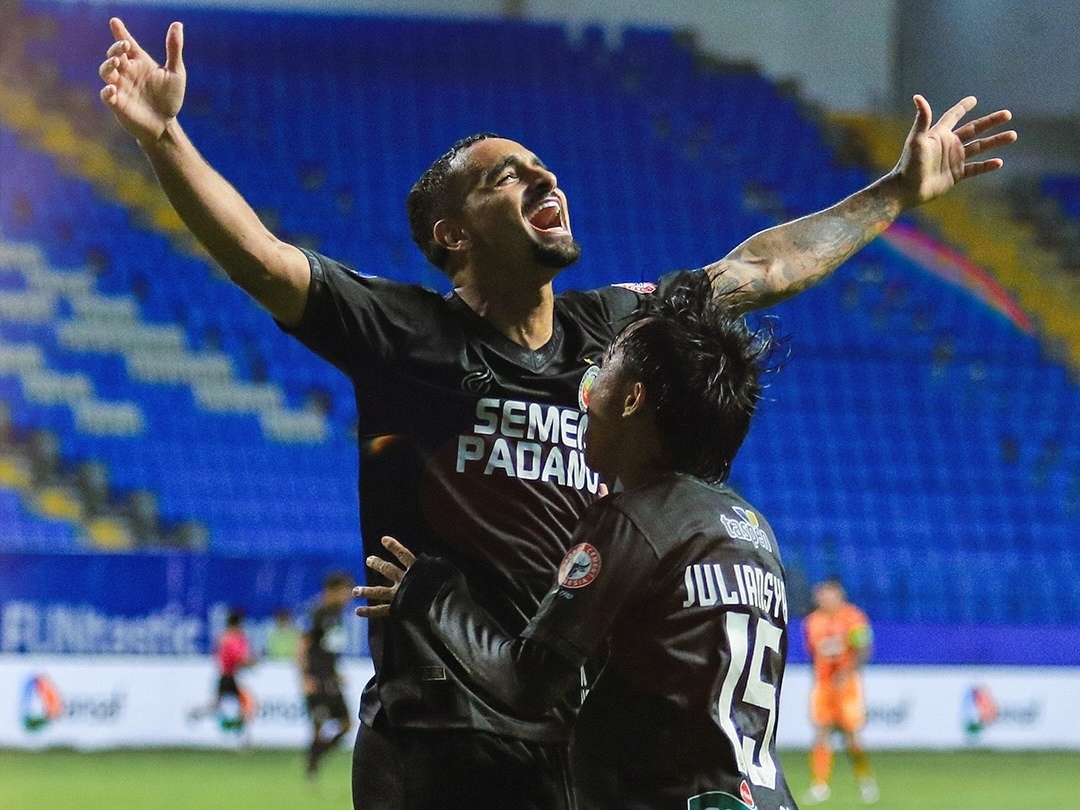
{"x": 234, "y": 618}
{"x": 337, "y": 579}
{"x": 432, "y": 195}
{"x": 831, "y": 581}
{"x": 701, "y": 365}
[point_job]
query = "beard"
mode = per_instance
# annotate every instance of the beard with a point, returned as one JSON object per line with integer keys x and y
{"x": 556, "y": 255}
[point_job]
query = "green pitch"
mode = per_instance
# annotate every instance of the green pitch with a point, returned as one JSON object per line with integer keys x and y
{"x": 265, "y": 780}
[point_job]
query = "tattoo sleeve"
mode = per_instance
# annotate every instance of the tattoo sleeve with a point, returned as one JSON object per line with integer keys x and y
{"x": 782, "y": 261}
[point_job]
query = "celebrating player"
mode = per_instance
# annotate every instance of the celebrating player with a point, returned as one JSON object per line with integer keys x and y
{"x": 675, "y": 577}
{"x": 839, "y": 641}
{"x": 468, "y": 403}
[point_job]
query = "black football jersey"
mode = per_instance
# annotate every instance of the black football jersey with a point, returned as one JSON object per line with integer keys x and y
{"x": 470, "y": 449}
{"x": 327, "y": 637}
{"x": 680, "y": 584}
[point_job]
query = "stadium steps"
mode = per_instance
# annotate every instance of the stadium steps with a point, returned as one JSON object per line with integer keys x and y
{"x": 980, "y": 221}
{"x": 153, "y": 353}
{"x": 127, "y": 180}
{"x": 118, "y": 176}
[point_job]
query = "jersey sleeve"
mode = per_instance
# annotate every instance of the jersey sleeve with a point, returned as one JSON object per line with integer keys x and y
{"x": 610, "y": 560}
{"x": 621, "y": 300}
{"x": 526, "y": 676}
{"x": 355, "y": 321}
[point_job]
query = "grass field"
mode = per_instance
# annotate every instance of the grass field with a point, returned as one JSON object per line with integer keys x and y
{"x": 265, "y": 780}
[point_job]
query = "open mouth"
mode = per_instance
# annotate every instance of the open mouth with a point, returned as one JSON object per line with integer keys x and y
{"x": 548, "y": 217}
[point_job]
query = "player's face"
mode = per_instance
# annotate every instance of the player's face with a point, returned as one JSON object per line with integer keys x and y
{"x": 340, "y": 596}
{"x": 513, "y": 211}
{"x": 828, "y": 597}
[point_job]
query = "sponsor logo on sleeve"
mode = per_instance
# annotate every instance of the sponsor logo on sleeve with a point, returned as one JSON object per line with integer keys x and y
{"x": 747, "y": 527}
{"x": 642, "y": 287}
{"x": 579, "y": 567}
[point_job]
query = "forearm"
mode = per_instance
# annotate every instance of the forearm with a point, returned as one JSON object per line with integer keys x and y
{"x": 520, "y": 673}
{"x": 271, "y": 271}
{"x": 782, "y": 261}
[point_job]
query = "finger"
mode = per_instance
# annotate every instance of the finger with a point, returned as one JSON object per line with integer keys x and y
{"x": 174, "y": 48}
{"x": 977, "y": 147}
{"x": 980, "y": 125}
{"x": 923, "y": 114}
{"x": 374, "y": 611}
{"x": 380, "y": 593}
{"x": 957, "y": 111}
{"x": 386, "y": 568}
{"x": 108, "y": 69}
{"x": 982, "y": 167}
{"x": 117, "y": 48}
{"x": 405, "y": 557}
{"x": 108, "y": 94}
{"x": 120, "y": 32}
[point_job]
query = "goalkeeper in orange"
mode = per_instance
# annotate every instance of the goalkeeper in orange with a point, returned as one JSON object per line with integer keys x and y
{"x": 839, "y": 641}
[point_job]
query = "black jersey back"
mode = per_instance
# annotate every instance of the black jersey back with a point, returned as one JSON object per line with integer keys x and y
{"x": 683, "y": 582}
{"x": 469, "y": 449}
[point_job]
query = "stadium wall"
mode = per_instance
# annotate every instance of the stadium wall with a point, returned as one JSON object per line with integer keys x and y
{"x": 783, "y": 37}
{"x": 127, "y": 701}
{"x": 70, "y": 604}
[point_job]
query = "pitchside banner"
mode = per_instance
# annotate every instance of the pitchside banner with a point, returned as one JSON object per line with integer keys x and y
{"x": 153, "y": 604}
{"x": 136, "y": 701}
{"x": 951, "y": 707}
{"x": 122, "y": 701}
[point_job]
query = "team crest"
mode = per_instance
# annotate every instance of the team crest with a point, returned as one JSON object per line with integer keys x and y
{"x": 585, "y": 386}
{"x": 579, "y": 567}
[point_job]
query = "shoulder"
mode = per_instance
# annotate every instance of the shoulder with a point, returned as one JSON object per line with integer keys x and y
{"x": 665, "y": 511}
{"x": 855, "y": 616}
{"x": 617, "y": 301}
{"x": 346, "y": 280}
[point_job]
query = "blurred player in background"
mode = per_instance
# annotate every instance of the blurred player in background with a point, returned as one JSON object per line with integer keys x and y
{"x": 282, "y": 639}
{"x": 839, "y": 641}
{"x": 317, "y": 656}
{"x": 675, "y": 581}
{"x": 232, "y": 705}
{"x": 469, "y": 402}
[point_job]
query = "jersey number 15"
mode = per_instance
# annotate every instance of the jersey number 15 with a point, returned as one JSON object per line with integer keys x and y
{"x": 753, "y": 755}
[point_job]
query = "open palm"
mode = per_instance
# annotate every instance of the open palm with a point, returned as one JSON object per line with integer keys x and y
{"x": 935, "y": 158}
{"x": 143, "y": 95}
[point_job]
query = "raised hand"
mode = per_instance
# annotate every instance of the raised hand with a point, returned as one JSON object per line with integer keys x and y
{"x": 384, "y": 593}
{"x": 937, "y": 157}
{"x": 143, "y": 95}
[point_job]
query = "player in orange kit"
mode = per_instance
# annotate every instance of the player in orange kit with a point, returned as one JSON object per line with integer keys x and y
{"x": 839, "y": 641}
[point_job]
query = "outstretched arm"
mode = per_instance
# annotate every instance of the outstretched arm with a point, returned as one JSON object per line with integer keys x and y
{"x": 782, "y": 261}
{"x": 521, "y": 673}
{"x": 146, "y": 98}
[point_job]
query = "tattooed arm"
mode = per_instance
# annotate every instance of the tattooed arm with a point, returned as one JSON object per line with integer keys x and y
{"x": 782, "y": 261}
